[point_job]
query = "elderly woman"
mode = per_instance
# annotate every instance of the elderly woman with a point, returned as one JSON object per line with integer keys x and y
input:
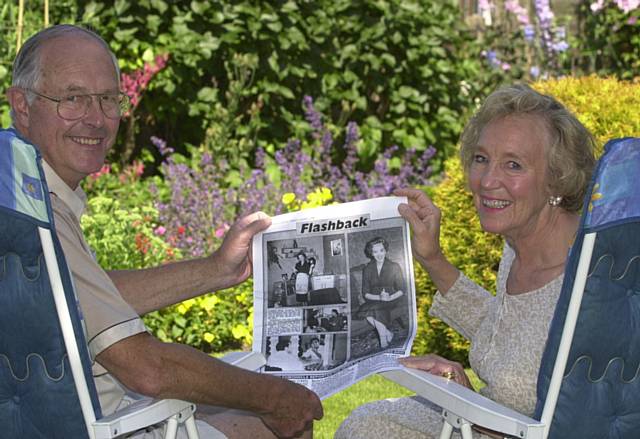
{"x": 528, "y": 161}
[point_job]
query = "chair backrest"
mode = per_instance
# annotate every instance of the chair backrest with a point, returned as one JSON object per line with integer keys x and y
{"x": 38, "y": 396}
{"x": 599, "y": 394}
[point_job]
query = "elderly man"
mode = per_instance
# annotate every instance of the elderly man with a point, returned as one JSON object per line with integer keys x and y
{"x": 65, "y": 99}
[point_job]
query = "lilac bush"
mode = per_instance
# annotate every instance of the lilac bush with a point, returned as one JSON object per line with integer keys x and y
{"x": 198, "y": 201}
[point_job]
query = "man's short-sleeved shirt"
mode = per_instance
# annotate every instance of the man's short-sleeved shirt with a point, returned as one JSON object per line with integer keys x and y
{"x": 108, "y": 318}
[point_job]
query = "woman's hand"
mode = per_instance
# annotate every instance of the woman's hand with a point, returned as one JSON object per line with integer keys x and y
{"x": 424, "y": 218}
{"x": 436, "y": 365}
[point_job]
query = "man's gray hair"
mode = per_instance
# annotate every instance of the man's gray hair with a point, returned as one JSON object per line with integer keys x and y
{"x": 26, "y": 67}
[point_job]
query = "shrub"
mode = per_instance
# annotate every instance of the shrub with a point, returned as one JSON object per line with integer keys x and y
{"x": 122, "y": 227}
{"x": 609, "y": 42}
{"x": 396, "y": 67}
{"x": 605, "y": 106}
{"x": 205, "y": 196}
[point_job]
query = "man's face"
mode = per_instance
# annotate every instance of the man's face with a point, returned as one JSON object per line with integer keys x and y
{"x": 73, "y": 64}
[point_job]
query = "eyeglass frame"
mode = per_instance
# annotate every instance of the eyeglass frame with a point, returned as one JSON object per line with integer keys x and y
{"x": 123, "y": 106}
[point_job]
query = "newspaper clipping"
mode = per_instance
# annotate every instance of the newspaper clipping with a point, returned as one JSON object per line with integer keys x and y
{"x": 334, "y": 297}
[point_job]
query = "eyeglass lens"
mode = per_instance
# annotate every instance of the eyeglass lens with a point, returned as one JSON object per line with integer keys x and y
{"x": 75, "y": 107}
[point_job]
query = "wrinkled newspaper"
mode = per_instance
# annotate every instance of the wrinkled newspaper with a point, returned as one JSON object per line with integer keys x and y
{"x": 334, "y": 294}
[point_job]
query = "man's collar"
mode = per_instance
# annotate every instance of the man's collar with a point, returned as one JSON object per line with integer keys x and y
{"x": 75, "y": 199}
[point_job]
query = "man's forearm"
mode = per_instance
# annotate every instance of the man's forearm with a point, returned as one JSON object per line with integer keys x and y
{"x": 154, "y": 288}
{"x": 167, "y": 370}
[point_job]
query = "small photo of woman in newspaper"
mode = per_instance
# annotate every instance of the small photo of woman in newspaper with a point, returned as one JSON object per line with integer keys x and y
{"x": 382, "y": 284}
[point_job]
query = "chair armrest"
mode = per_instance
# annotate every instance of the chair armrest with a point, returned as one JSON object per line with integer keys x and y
{"x": 245, "y": 360}
{"x": 146, "y": 412}
{"x": 141, "y": 414}
{"x": 464, "y": 403}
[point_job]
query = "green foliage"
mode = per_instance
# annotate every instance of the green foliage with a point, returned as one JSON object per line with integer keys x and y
{"x": 123, "y": 237}
{"x": 210, "y": 323}
{"x": 122, "y": 227}
{"x": 64, "y": 12}
{"x": 609, "y": 42}
{"x": 606, "y": 106}
{"x": 395, "y": 67}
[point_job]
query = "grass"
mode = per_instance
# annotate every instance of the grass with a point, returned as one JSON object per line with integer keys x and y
{"x": 338, "y": 406}
{"x": 372, "y": 388}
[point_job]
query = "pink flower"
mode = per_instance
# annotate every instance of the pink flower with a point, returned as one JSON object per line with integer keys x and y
{"x": 160, "y": 231}
{"x": 103, "y": 171}
{"x": 595, "y": 7}
{"x": 138, "y": 168}
{"x": 628, "y": 5}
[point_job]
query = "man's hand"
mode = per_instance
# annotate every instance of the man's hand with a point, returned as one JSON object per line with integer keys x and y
{"x": 233, "y": 258}
{"x": 295, "y": 408}
{"x": 436, "y": 365}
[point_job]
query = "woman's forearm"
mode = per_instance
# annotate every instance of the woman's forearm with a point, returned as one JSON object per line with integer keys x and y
{"x": 442, "y": 272}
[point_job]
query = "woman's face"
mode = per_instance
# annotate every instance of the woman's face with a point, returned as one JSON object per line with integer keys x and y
{"x": 508, "y": 176}
{"x": 301, "y": 258}
{"x": 378, "y": 252}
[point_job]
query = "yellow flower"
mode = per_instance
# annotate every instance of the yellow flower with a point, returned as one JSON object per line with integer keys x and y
{"x": 208, "y": 337}
{"x": 240, "y": 331}
{"x": 209, "y": 302}
{"x": 595, "y": 196}
{"x": 182, "y": 309}
{"x": 288, "y": 198}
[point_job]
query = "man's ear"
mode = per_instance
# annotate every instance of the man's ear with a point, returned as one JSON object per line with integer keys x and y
{"x": 17, "y": 98}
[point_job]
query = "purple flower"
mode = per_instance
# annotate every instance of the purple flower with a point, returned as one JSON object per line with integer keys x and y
{"x": 529, "y": 33}
{"x": 534, "y": 71}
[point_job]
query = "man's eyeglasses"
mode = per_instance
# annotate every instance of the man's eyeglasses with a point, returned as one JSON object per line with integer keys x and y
{"x": 74, "y": 107}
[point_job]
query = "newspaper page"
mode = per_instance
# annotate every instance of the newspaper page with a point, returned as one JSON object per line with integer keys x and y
{"x": 334, "y": 293}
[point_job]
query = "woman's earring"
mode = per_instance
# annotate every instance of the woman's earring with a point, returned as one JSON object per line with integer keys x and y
{"x": 555, "y": 201}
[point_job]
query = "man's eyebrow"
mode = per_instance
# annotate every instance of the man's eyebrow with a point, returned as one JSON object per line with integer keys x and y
{"x": 84, "y": 90}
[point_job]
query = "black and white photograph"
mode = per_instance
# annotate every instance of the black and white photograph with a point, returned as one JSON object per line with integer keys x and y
{"x": 336, "y": 247}
{"x": 326, "y": 319}
{"x": 379, "y": 306}
{"x": 304, "y": 272}
{"x": 305, "y": 353}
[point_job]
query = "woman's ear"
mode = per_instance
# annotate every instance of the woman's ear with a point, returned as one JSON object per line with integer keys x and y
{"x": 19, "y": 104}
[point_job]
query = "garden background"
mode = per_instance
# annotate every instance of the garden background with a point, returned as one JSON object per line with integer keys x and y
{"x": 283, "y": 105}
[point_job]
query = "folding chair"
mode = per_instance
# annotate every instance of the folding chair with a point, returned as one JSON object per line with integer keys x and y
{"x": 46, "y": 386}
{"x": 588, "y": 385}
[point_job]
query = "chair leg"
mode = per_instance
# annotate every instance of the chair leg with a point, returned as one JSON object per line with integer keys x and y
{"x": 192, "y": 430}
{"x": 465, "y": 429}
{"x": 447, "y": 430}
{"x": 172, "y": 428}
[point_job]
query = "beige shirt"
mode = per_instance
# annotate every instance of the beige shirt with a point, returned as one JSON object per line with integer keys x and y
{"x": 108, "y": 318}
{"x": 508, "y": 333}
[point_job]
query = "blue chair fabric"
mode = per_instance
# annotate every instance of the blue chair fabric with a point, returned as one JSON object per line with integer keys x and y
{"x": 38, "y": 397}
{"x": 600, "y": 391}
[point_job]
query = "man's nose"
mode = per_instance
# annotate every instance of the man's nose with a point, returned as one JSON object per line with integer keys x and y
{"x": 94, "y": 115}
